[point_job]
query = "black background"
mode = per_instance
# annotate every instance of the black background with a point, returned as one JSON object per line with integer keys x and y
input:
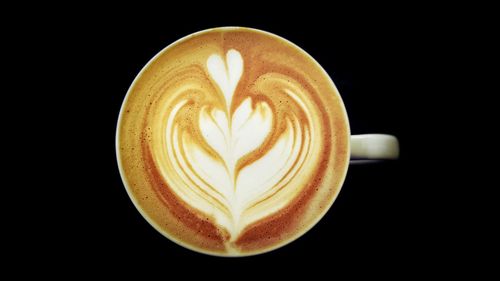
{"x": 381, "y": 63}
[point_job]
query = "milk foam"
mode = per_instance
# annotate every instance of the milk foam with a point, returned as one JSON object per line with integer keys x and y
{"x": 217, "y": 185}
{"x": 227, "y": 74}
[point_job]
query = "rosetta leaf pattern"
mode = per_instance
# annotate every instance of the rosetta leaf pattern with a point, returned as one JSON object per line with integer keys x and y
{"x": 221, "y": 189}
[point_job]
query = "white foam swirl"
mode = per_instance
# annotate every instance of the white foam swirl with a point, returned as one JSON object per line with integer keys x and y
{"x": 212, "y": 178}
{"x": 226, "y": 74}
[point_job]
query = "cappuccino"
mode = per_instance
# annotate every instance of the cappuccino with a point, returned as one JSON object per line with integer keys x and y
{"x": 233, "y": 142}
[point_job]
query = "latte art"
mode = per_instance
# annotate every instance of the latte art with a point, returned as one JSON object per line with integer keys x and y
{"x": 238, "y": 164}
{"x": 227, "y": 142}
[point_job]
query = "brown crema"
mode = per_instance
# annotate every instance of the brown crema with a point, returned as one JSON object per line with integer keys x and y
{"x": 233, "y": 142}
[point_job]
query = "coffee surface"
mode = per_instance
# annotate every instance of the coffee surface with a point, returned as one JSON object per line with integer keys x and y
{"x": 233, "y": 141}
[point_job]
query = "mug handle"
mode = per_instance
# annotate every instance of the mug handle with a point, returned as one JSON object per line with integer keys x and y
{"x": 374, "y": 147}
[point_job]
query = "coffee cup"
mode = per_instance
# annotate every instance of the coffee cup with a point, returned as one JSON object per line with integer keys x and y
{"x": 234, "y": 142}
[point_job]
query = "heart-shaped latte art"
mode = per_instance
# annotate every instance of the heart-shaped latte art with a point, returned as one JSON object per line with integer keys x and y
{"x": 216, "y": 182}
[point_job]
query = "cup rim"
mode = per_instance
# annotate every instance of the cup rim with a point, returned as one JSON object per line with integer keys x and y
{"x": 178, "y": 241}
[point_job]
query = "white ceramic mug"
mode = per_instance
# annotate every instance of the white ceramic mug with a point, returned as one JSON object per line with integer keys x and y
{"x": 133, "y": 166}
